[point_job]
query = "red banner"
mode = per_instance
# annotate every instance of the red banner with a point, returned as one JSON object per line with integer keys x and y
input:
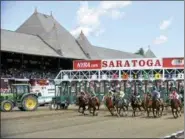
{"x": 86, "y": 64}
{"x": 173, "y": 62}
{"x": 115, "y": 64}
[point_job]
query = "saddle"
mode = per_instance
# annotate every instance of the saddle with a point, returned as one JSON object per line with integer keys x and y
{"x": 86, "y": 99}
{"x": 157, "y": 100}
{"x": 179, "y": 101}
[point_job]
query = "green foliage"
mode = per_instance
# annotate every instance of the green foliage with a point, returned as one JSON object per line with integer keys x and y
{"x": 140, "y": 52}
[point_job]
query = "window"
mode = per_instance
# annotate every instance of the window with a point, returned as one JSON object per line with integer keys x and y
{"x": 21, "y": 89}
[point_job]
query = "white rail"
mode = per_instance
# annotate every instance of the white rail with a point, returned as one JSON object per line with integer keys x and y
{"x": 100, "y": 75}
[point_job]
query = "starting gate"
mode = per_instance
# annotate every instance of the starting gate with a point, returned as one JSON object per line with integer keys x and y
{"x": 98, "y": 79}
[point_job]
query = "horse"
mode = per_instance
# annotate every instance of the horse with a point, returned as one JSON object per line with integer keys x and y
{"x": 92, "y": 105}
{"x": 82, "y": 103}
{"x": 110, "y": 105}
{"x": 147, "y": 103}
{"x": 135, "y": 104}
{"x": 155, "y": 105}
{"x": 98, "y": 103}
{"x": 89, "y": 101}
{"x": 176, "y": 107}
{"x": 121, "y": 104}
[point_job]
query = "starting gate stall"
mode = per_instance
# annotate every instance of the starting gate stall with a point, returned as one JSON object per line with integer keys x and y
{"x": 129, "y": 75}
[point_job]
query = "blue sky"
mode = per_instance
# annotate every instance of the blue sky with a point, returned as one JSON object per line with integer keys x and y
{"x": 123, "y": 25}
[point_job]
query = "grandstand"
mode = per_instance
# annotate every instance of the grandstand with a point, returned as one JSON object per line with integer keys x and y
{"x": 40, "y": 47}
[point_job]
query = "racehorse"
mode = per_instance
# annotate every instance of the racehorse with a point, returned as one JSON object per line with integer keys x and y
{"x": 135, "y": 104}
{"x": 110, "y": 105}
{"x": 155, "y": 105}
{"x": 176, "y": 107}
{"x": 121, "y": 104}
{"x": 88, "y": 100}
{"x": 147, "y": 103}
{"x": 98, "y": 103}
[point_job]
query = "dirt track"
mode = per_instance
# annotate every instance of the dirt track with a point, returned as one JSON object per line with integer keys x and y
{"x": 71, "y": 124}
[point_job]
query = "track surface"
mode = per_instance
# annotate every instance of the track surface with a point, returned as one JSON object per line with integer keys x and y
{"x": 70, "y": 124}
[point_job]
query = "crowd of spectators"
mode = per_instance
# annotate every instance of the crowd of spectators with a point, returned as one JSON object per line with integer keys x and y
{"x": 28, "y": 74}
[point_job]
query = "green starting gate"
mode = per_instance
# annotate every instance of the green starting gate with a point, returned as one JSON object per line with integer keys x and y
{"x": 70, "y": 82}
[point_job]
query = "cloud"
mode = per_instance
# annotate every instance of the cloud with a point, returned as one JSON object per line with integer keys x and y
{"x": 165, "y": 24}
{"x": 89, "y": 18}
{"x": 86, "y": 31}
{"x": 160, "y": 40}
{"x": 99, "y": 32}
{"x": 107, "y": 5}
{"x": 115, "y": 14}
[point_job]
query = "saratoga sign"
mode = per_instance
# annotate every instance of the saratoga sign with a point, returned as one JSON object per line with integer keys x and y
{"x": 125, "y": 64}
{"x": 144, "y": 63}
{"x": 129, "y": 64}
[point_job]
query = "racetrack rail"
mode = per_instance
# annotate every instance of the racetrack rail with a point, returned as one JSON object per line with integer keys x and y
{"x": 175, "y": 135}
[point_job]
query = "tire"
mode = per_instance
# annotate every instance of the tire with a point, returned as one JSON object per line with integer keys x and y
{"x": 52, "y": 106}
{"x": 30, "y": 103}
{"x": 6, "y": 106}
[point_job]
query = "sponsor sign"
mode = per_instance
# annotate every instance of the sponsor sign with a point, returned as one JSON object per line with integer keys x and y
{"x": 86, "y": 64}
{"x": 173, "y": 62}
{"x": 128, "y": 64}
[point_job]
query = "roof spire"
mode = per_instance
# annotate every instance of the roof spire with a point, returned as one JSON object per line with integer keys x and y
{"x": 148, "y": 46}
{"x": 35, "y": 10}
{"x": 51, "y": 14}
{"x": 81, "y": 33}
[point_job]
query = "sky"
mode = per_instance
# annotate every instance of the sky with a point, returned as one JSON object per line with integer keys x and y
{"x": 121, "y": 25}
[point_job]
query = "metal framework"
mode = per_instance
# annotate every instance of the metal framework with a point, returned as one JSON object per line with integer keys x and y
{"x": 99, "y": 81}
{"x": 120, "y": 75}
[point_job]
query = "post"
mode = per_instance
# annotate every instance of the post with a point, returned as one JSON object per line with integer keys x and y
{"x": 58, "y": 63}
{"x": 124, "y": 86}
{"x": 145, "y": 86}
{"x": 167, "y": 87}
{"x": 22, "y": 60}
{"x": 178, "y": 85}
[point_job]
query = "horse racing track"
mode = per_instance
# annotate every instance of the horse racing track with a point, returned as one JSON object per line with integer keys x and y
{"x": 71, "y": 124}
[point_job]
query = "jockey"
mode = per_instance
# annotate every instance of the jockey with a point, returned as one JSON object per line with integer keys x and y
{"x": 136, "y": 94}
{"x": 155, "y": 94}
{"x": 83, "y": 93}
{"x": 113, "y": 90}
{"x": 111, "y": 93}
{"x": 121, "y": 94}
{"x": 93, "y": 93}
{"x": 174, "y": 95}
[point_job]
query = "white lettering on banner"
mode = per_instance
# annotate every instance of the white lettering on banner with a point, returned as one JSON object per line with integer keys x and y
{"x": 83, "y": 65}
{"x": 132, "y": 63}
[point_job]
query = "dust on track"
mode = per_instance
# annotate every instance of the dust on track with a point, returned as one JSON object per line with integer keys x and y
{"x": 71, "y": 124}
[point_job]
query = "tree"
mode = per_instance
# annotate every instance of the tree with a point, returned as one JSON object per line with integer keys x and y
{"x": 140, "y": 52}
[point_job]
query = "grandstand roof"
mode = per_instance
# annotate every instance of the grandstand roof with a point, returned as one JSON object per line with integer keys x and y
{"x": 149, "y": 53}
{"x": 86, "y": 46}
{"x": 115, "y": 54}
{"x": 24, "y": 43}
{"x": 41, "y": 34}
{"x": 50, "y": 31}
